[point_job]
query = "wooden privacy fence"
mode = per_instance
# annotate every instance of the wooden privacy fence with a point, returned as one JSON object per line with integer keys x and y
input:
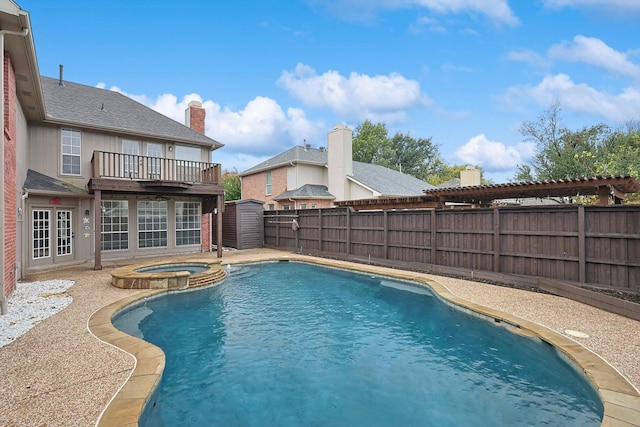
{"x": 579, "y": 245}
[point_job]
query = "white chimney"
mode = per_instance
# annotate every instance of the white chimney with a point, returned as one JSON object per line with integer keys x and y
{"x": 470, "y": 177}
{"x": 340, "y": 161}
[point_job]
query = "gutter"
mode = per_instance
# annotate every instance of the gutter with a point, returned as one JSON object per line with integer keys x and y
{"x": 3, "y": 298}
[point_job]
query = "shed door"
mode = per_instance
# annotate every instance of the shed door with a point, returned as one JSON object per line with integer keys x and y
{"x": 249, "y": 230}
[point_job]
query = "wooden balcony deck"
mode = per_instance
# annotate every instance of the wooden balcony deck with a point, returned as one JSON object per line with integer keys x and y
{"x": 134, "y": 167}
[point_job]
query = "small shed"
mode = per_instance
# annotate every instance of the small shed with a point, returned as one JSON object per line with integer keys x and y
{"x": 242, "y": 224}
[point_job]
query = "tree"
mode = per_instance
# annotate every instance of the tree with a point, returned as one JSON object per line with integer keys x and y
{"x": 370, "y": 142}
{"x": 417, "y": 157}
{"x": 620, "y": 154}
{"x": 590, "y": 151}
{"x": 232, "y": 185}
{"x": 561, "y": 153}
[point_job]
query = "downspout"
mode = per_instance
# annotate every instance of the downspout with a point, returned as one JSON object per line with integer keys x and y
{"x": 3, "y": 298}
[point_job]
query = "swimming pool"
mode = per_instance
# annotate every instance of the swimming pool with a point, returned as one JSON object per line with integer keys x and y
{"x": 297, "y": 344}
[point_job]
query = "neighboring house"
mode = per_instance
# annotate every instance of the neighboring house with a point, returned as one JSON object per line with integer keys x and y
{"x": 307, "y": 178}
{"x": 90, "y": 173}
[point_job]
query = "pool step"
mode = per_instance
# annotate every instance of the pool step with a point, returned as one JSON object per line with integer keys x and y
{"x": 203, "y": 279}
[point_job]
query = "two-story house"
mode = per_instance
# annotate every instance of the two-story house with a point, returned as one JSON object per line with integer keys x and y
{"x": 306, "y": 178}
{"x": 90, "y": 173}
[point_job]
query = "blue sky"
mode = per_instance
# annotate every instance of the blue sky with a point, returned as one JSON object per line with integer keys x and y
{"x": 274, "y": 74}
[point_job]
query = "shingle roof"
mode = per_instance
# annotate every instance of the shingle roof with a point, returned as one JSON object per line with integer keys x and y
{"x": 452, "y": 183}
{"x": 297, "y": 153}
{"x": 388, "y": 182}
{"x": 38, "y": 182}
{"x": 307, "y": 191}
{"x": 93, "y": 107}
{"x": 385, "y": 181}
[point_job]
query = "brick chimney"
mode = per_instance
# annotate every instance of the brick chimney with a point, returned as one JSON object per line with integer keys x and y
{"x": 195, "y": 115}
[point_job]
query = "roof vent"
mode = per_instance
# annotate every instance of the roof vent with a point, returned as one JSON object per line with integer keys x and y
{"x": 60, "y": 82}
{"x": 322, "y": 149}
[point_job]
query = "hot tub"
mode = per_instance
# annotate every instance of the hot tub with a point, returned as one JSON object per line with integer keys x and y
{"x": 178, "y": 274}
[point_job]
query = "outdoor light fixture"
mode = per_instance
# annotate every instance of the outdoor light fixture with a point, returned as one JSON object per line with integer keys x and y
{"x": 170, "y": 148}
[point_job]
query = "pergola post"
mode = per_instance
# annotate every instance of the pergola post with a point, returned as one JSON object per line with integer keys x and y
{"x": 97, "y": 214}
{"x": 220, "y": 209}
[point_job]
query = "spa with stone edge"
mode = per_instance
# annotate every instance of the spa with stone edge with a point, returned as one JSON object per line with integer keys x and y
{"x": 179, "y": 274}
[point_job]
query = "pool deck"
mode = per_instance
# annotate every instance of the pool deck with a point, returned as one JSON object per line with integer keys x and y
{"x": 60, "y": 374}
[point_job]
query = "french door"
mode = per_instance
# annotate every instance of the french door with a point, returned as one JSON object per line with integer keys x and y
{"x": 52, "y": 235}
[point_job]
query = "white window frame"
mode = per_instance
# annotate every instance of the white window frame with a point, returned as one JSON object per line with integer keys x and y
{"x": 154, "y": 160}
{"x": 64, "y": 232}
{"x": 131, "y": 158}
{"x": 117, "y": 228}
{"x": 188, "y": 163}
{"x": 70, "y": 150}
{"x": 41, "y": 233}
{"x": 189, "y": 224}
{"x": 268, "y": 187}
{"x": 155, "y": 231}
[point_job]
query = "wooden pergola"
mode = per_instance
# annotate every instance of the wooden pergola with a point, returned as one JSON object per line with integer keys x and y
{"x": 609, "y": 189}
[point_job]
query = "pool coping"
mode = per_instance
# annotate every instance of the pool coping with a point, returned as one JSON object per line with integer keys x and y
{"x": 620, "y": 399}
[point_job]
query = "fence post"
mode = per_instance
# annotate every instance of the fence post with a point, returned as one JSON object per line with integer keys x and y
{"x": 320, "y": 230}
{"x": 582, "y": 260}
{"x": 496, "y": 240}
{"x": 348, "y": 231}
{"x": 433, "y": 236}
{"x": 386, "y": 234}
{"x": 277, "y": 223}
{"x": 297, "y": 233}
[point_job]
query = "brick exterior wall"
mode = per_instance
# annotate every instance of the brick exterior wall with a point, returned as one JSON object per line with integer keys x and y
{"x": 205, "y": 226}
{"x": 10, "y": 188}
{"x": 320, "y": 203}
{"x": 254, "y": 187}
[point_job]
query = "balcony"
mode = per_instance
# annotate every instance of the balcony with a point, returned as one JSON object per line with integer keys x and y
{"x": 133, "y": 167}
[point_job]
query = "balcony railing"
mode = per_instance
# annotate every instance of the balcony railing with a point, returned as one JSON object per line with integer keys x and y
{"x": 133, "y": 167}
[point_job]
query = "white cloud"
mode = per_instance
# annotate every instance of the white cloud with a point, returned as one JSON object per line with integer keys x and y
{"x": 620, "y": 108}
{"x": 497, "y": 11}
{"x": 358, "y": 96}
{"x": 493, "y": 155}
{"x": 595, "y": 52}
{"x": 620, "y": 6}
{"x": 530, "y": 57}
{"x": 258, "y": 131}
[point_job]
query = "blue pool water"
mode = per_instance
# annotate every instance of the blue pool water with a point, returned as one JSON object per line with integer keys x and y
{"x": 292, "y": 344}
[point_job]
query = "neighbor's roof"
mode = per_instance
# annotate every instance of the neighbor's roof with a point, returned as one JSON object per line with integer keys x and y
{"x": 296, "y": 154}
{"x": 388, "y": 182}
{"x": 485, "y": 194}
{"x": 92, "y": 107}
{"x": 307, "y": 191}
{"x": 383, "y": 180}
{"x": 38, "y": 183}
